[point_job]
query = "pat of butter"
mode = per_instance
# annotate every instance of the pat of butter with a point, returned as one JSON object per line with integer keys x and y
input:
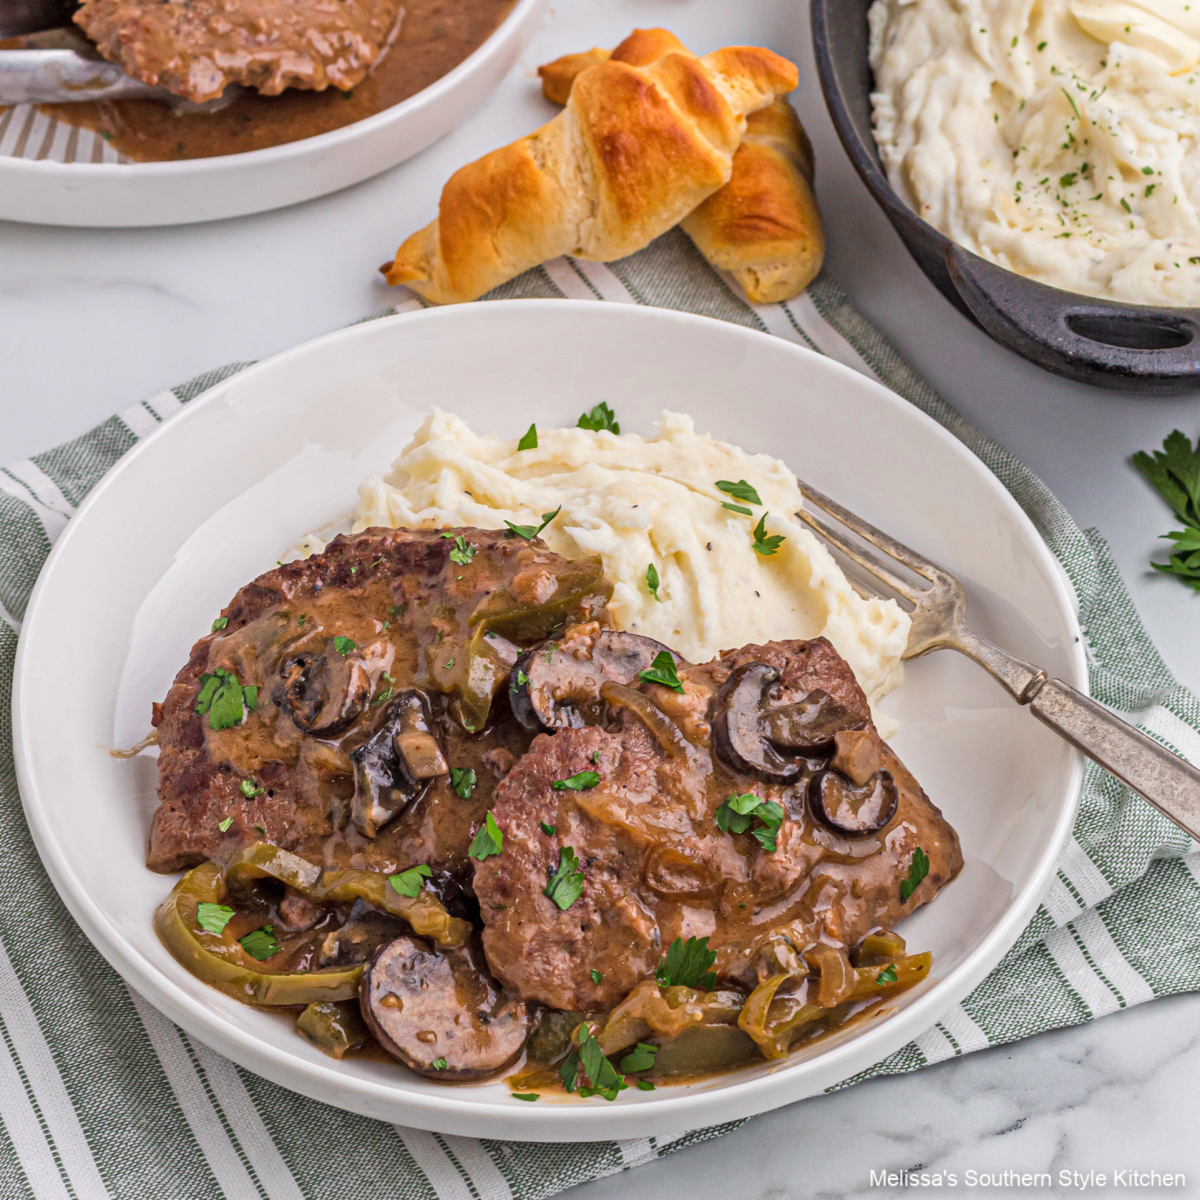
{"x": 1169, "y": 29}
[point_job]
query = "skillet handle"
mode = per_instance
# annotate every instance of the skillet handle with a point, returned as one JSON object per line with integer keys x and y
{"x": 1094, "y": 341}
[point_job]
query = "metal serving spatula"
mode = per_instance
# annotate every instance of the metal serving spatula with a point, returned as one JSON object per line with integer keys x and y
{"x": 939, "y": 620}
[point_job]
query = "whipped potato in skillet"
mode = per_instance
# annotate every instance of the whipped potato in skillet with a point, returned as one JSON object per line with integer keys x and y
{"x": 1057, "y": 138}
{"x": 636, "y": 501}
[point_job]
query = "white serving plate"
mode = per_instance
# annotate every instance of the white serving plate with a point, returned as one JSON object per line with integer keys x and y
{"x": 42, "y": 192}
{"x": 214, "y": 497}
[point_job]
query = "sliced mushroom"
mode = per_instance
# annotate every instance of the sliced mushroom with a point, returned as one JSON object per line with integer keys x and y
{"x": 847, "y": 808}
{"x": 394, "y": 767}
{"x": 557, "y": 685}
{"x": 755, "y": 737}
{"x": 321, "y": 689}
{"x": 360, "y": 937}
{"x": 440, "y": 1012}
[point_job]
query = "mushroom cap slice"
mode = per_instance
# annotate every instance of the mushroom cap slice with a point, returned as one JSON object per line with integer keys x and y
{"x": 428, "y": 1007}
{"x": 322, "y": 690}
{"x": 557, "y": 685}
{"x": 739, "y": 726}
{"x": 847, "y": 808}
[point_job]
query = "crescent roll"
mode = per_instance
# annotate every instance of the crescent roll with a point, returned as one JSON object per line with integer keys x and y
{"x": 763, "y": 226}
{"x": 635, "y": 150}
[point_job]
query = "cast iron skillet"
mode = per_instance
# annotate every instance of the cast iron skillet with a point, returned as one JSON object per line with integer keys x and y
{"x": 1095, "y": 341}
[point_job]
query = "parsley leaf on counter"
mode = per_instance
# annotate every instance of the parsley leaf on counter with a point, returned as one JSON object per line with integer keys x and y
{"x": 887, "y": 975}
{"x": 652, "y": 582}
{"x": 588, "y": 1062}
{"x": 488, "y": 841}
{"x": 463, "y": 551}
{"x": 581, "y": 781}
{"x": 220, "y": 623}
{"x": 598, "y": 418}
{"x": 739, "y": 491}
{"x": 222, "y": 698}
{"x": 409, "y": 883}
{"x": 738, "y": 813}
{"x": 250, "y": 789}
{"x": 528, "y": 439}
{"x": 566, "y": 884}
{"x": 529, "y": 532}
{"x": 1174, "y": 472}
{"x": 260, "y": 943}
{"x": 640, "y": 1058}
{"x": 343, "y": 645}
{"x": 463, "y": 780}
{"x": 213, "y": 917}
{"x": 918, "y": 868}
{"x": 765, "y": 544}
{"x": 687, "y": 965}
{"x": 662, "y": 670}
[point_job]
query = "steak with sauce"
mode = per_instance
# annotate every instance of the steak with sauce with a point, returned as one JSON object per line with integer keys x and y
{"x": 340, "y": 706}
{"x": 786, "y": 722}
{"x": 196, "y": 49}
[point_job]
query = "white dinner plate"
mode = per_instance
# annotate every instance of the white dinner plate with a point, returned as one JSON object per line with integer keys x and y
{"x": 41, "y": 191}
{"x": 220, "y": 492}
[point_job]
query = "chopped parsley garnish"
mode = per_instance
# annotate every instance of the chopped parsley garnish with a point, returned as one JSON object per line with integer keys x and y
{"x": 687, "y": 965}
{"x": 526, "y": 1096}
{"x": 220, "y": 623}
{"x": 397, "y": 610}
{"x": 528, "y": 439}
{"x": 598, "y": 418}
{"x": 737, "y": 508}
{"x": 662, "y": 670}
{"x": 887, "y": 975}
{"x": 640, "y": 1058}
{"x": 213, "y": 917}
{"x": 644, "y": 1085}
{"x": 343, "y": 645}
{"x": 224, "y": 825}
{"x": 448, "y": 664}
{"x": 300, "y": 619}
{"x": 597, "y": 976}
{"x": 222, "y": 698}
{"x": 409, "y": 883}
{"x": 739, "y": 491}
{"x": 652, "y": 582}
{"x": 250, "y": 789}
{"x": 529, "y": 532}
{"x": 738, "y": 813}
{"x": 439, "y": 1064}
{"x": 382, "y": 697}
{"x": 587, "y": 1062}
{"x": 918, "y": 868}
{"x": 488, "y": 841}
{"x": 764, "y": 544}
{"x": 522, "y": 679}
{"x": 548, "y": 830}
{"x": 595, "y": 756}
{"x": 463, "y": 551}
{"x": 581, "y": 781}
{"x": 463, "y": 780}
{"x": 261, "y": 830}
{"x": 566, "y": 884}
{"x": 260, "y": 943}
{"x": 1174, "y": 472}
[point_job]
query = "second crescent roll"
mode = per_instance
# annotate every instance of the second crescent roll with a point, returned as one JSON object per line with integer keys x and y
{"x": 763, "y": 226}
{"x": 636, "y": 149}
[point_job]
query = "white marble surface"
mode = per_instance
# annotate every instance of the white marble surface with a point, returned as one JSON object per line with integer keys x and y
{"x": 91, "y": 320}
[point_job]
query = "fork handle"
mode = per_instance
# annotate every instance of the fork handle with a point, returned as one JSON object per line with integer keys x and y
{"x": 1150, "y": 769}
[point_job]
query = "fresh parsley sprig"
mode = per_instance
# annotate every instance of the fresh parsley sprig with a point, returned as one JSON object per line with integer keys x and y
{"x": 738, "y": 813}
{"x": 463, "y": 551}
{"x": 687, "y": 965}
{"x": 463, "y": 781}
{"x": 529, "y": 532}
{"x": 222, "y": 698}
{"x": 566, "y": 884}
{"x": 918, "y": 868}
{"x": 662, "y": 670}
{"x": 599, "y": 418}
{"x": 1174, "y": 472}
{"x": 586, "y": 1062}
{"x": 488, "y": 841}
{"x": 764, "y": 543}
{"x": 409, "y": 883}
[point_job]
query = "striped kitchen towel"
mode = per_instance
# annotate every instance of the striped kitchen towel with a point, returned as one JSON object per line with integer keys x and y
{"x": 101, "y": 1096}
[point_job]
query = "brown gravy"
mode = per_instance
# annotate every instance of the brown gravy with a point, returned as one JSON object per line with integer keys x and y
{"x": 435, "y": 36}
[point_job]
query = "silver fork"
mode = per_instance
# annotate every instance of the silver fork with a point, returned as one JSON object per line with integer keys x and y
{"x": 939, "y": 621}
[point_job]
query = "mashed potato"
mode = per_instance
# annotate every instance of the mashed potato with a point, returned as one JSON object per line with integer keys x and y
{"x": 636, "y": 501}
{"x": 1058, "y": 138}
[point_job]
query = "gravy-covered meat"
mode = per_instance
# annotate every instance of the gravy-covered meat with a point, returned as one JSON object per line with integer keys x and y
{"x": 757, "y": 807}
{"x": 342, "y": 706}
{"x": 196, "y": 49}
